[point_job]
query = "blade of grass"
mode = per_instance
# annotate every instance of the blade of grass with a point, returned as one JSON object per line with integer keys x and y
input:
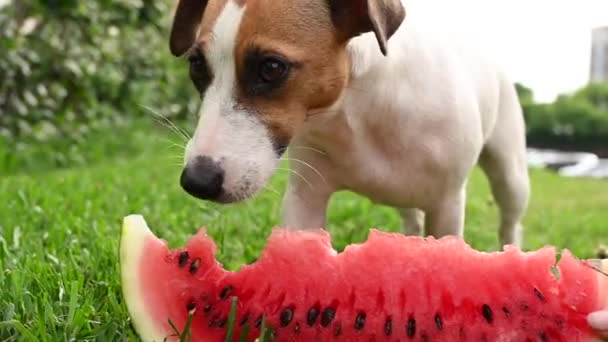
{"x": 231, "y": 319}
{"x": 244, "y": 333}
{"x": 263, "y": 337}
{"x": 186, "y": 334}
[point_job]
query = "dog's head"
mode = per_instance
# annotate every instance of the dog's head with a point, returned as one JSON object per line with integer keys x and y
{"x": 261, "y": 66}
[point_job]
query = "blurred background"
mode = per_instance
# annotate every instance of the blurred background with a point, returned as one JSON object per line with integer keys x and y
{"x": 95, "y": 113}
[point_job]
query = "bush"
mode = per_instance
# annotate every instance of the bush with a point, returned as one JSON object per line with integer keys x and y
{"x": 69, "y": 67}
{"x": 578, "y": 120}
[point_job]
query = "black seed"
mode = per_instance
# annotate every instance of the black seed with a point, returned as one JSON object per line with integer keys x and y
{"x": 258, "y": 322}
{"x": 388, "y": 326}
{"x": 327, "y": 316}
{"x": 438, "y": 322}
{"x": 311, "y": 317}
{"x": 411, "y": 327}
{"x": 207, "y": 309}
{"x": 244, "y": 319}
{"x": 506, "y": 311}
{"x": 226, "y": 291}
{"x": 539, "y": 294}
{"x": 360, "y": 321}
{"x": 296, "y": 328}
{"x": 338, "y": 330}
{"x": 190, "y": 306}
{"x": 195, "y": 265}
{"x": 486, "y": 311}
{"x": 217, "y": 321}
{"x": 183, "y": 259}
{"x": 286, "y": 317}
{"x": 221, "y": 322}
{"x": 543, "y": 337}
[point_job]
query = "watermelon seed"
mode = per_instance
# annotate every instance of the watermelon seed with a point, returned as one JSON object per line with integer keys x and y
{"x": 539, "y": 294}
{"x": 207, "y": 308}
{"x": 183, "y": 259}
{"x": 217, "y": 321}
{"x": 311, "y": 317}
{"x": 388, "y": 326}
{"x": 258, "y": 322}
{"x": 286, "y": 316}
{"x": 337, "y": 329}
{"x": 438, "y": 322}
{"x": 360, "y": 321}
{"x": 226, "y": 291}
{"x": 411, "y": 327}
{"x": 327, "y": 316}
{"x": 486, "y": 311}
{"x": 195, "y": 265}
{"x": 190, "y": 306}
{"x": 296, "y": 328}
{"x": 244, "y": 319}
{"x": 506, "y": 311}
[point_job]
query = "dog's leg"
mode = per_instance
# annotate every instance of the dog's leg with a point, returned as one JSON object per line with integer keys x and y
{"x": 447, "y": 217}
{"x": 307, "y": 195}
{"x": 508, "y": 179}
{"x": 413, "y": 220}
{"x": 303, "y": 209}
{"x": 504, "y": 162}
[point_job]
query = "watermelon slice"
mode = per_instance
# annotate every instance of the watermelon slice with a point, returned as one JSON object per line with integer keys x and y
{"x": 390, "y": 288}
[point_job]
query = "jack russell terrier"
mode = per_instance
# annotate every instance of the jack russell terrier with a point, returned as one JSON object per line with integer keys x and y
{"x": 363, "y": 101}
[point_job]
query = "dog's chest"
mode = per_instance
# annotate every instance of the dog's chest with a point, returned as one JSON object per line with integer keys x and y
{"x": 382, "y": 155}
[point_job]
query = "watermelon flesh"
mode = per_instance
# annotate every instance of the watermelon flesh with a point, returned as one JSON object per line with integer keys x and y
{"x": 390, "y": 288}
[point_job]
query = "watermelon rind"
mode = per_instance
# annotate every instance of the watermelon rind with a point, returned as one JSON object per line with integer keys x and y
{"x": 135, "y": 232}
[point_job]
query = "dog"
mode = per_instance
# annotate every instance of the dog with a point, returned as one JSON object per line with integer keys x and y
{"x": 360, "y": 99}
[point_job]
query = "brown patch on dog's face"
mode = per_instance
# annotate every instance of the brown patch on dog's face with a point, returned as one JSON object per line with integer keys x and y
{"x": 289, "y": 60}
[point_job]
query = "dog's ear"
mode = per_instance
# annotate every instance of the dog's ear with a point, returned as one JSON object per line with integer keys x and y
{"x": 354, "y": 17}
{"x": 188, "y": 17}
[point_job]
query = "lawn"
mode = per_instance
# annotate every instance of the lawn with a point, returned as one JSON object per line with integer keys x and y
{"x": 59, "y": 228}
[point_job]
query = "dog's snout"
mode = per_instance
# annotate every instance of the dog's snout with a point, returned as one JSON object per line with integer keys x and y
{"x": 203, "y": 178}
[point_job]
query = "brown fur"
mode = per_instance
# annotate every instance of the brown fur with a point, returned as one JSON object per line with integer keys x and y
{"x": 302, "y": 32}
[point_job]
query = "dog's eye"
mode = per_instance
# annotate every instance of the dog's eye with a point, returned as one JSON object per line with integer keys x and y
{"x": 199, "y": 72}
{"x": 272, "y": 70}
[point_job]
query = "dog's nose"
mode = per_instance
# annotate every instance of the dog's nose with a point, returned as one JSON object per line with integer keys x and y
{"x": 203, "y": 178}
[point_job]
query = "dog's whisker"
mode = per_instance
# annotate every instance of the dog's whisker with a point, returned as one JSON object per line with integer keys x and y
{"x": 310, "y": 166}
{"x": 167, "y": 122}
{"x": 308, "y": 148}
{"x": 297, "y": 174}
{"x": 174, "y": 144}
{"x": 269, "y": 188}
{"x": 310, "y": 115}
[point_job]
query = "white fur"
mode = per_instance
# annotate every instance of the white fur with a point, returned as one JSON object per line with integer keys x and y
{"x": 234, "y": 138}
{"x": 407, "y": 132}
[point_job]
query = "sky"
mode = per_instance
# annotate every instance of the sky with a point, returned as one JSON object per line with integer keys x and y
{"x": 544, "y": 44}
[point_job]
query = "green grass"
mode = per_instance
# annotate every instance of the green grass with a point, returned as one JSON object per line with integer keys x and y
{"x": 59, "y": 229}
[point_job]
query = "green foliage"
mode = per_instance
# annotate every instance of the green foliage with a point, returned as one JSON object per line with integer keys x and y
{"x": 578, "y": 120}
{"x": 70, "y": 67}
